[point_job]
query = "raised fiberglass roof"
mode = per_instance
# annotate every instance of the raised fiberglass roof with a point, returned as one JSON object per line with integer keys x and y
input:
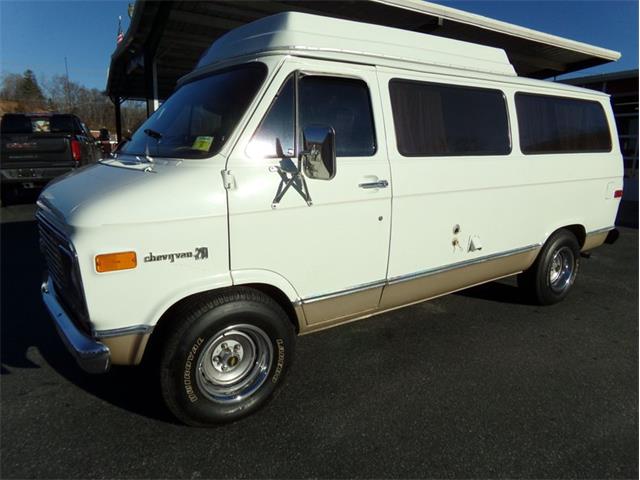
{"x": 318, "y": 35}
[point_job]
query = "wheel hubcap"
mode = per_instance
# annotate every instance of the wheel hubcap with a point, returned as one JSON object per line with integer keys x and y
{"x": 234, "y": 363}
{"x": 561, "y": 269}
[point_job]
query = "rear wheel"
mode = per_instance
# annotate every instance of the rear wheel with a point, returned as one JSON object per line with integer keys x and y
{"x": 553, "y": 273}
{"x": 227, "y": 357}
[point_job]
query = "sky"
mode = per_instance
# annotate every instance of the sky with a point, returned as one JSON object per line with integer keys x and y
{"x": 39, "y": 34}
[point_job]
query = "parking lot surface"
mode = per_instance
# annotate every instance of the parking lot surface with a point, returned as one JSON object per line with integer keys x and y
{"x": 476, "y": 384}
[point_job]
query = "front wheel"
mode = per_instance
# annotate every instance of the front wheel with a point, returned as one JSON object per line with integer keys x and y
{"x": 226, "y": 358}
{"x": 553, "y": 273}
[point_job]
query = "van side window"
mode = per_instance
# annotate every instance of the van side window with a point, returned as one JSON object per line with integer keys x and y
{"x": 345, "y": 105}
{"x": 275, "y": 136}
{"x": 550, "y": 124}
{"x": 432, "y": 119}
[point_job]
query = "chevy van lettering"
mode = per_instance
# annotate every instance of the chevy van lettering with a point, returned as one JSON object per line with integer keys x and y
{"x": 200, "y": 253}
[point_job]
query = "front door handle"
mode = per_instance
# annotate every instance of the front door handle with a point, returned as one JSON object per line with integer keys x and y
{"x": 378, "y": 184}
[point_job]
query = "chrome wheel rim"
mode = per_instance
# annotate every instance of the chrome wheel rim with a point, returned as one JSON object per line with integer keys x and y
{"x": 234, "y": 363}
{"x": 561, "y": 269}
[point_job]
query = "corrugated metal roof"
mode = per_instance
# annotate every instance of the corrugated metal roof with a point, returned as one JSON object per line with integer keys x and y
{"x": 178, "y": 32}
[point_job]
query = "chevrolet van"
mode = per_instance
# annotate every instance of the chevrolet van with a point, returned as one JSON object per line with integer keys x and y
{"x": 311, "y": 172}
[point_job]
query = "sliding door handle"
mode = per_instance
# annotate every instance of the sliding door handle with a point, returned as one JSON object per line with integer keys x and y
{"x": 378, "y": 184}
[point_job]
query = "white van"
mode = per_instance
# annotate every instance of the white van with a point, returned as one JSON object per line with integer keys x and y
{"x": 310, "y": 172}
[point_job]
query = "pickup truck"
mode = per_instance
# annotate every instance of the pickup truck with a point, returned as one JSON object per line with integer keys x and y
{"x": 36, "y": 148}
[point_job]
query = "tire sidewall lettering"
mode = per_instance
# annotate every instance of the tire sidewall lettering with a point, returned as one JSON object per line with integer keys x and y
{"x": 280, "y": 356}
{"x": 187, "y": 377}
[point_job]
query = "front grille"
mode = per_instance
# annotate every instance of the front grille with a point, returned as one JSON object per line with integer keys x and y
{"x": 64, "y": 272}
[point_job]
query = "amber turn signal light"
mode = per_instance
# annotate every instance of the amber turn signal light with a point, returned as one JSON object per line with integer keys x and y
{"x": 109, "y": 262}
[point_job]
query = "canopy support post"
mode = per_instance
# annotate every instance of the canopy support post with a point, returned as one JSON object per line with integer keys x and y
{"x": 151, "y": 83}
{"x": 117, "y": 102}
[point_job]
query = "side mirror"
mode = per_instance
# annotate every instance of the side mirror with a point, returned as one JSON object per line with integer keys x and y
{"x": 319, "y": 152}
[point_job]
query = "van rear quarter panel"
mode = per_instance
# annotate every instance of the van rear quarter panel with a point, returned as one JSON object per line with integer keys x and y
{"x": 507, "y": 202}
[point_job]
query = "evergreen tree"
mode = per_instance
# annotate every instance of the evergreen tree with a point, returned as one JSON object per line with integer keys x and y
{"x": 28, "y": 89}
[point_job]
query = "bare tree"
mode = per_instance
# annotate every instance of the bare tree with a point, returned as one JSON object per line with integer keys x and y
{"x": 55, "y": 94}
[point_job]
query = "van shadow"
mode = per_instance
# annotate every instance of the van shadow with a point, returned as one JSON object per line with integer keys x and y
{"x": 501, "y": 291}
{"x": 25, "y": 324}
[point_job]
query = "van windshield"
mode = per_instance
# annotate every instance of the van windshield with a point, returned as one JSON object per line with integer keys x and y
{"x": 197, "y": 119}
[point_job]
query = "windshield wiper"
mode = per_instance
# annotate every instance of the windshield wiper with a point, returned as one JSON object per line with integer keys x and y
{"x": 152, "y": 133}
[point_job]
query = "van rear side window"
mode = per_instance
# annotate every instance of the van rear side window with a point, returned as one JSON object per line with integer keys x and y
{"x": 550, "y": 124}
{"x": 432, "y": 119}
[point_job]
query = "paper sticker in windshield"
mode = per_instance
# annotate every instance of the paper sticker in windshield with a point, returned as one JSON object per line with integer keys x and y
{"x": 202, "y": 143}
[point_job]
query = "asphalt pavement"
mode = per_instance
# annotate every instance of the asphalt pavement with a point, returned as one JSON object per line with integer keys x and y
{"x": 477, "y": 384}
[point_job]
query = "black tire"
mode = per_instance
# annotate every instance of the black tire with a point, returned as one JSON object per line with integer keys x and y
{"x": 552, "y": 275}
{"x": 226, "y": 357}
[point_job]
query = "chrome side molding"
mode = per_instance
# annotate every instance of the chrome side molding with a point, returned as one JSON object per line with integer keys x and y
{"x": 465, "y": 263}
{"x": 414, "y": 275}
{"x": 601, "y": 230}
{"x": 118, "y": 332}
{"x": 355, "y": 289}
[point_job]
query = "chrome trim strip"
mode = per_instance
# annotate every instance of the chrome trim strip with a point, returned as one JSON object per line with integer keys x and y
{"x": 601, "y": 230}
{"x": 354, "y": 289}
{"x": 118, "y": 332}
{"x": 465, "y": 263}
{"x": 411, "y": 276}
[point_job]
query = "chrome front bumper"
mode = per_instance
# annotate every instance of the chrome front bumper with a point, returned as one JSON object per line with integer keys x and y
{"x": 92, "y": 356}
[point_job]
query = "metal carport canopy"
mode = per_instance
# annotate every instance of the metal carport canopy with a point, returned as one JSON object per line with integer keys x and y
{"x": 166, "y": 38}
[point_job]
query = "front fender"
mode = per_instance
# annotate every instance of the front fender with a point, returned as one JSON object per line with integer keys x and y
{"x": 183, "y": 291}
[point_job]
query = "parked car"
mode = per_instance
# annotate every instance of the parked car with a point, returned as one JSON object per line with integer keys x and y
{"x": 37, "y": 147}
{"x": 297, "y": 181}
